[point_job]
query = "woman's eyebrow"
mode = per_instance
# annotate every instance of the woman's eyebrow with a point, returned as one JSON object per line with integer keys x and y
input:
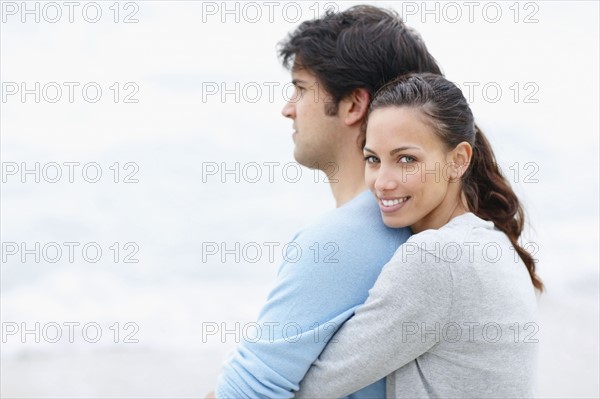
{"x": 394, "y": 151}
{"x": 368, "y": 150}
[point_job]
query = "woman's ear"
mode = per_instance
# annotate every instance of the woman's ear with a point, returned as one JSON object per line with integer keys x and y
{"x": 353, "y": 108}
{"x": 461, "y": 158}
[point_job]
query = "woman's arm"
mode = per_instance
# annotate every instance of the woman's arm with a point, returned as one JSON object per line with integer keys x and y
{"x": 388, "y": 331}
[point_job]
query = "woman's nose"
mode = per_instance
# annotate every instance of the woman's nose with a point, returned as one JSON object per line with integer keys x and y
{"x": 386, "y": 180}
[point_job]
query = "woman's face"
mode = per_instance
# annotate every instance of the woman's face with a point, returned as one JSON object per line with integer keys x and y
{"x": 409, "y": 170}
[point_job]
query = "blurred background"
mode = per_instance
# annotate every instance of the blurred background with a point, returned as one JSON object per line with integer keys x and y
{"x": 145, "y": 164}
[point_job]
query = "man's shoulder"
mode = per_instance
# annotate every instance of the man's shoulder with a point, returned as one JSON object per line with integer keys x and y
{"x": 358, "y": 220}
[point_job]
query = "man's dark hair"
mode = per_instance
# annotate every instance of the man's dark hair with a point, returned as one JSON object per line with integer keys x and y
{"x": 362, "y": 47}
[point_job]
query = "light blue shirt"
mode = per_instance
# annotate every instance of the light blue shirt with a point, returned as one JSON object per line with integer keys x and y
{"x": 327, "y": 273}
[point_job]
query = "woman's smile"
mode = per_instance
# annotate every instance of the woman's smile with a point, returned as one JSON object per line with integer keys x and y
{"x": 392, "y": 204}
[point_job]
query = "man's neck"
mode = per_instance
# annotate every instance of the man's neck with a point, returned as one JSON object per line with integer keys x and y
{"x": 346, "y": 178}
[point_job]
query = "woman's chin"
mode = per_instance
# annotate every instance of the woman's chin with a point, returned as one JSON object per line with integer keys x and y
{"x": 393, "y": 223}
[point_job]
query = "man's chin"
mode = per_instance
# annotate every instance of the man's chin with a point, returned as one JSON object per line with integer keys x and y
{"x": 304, "y": 160}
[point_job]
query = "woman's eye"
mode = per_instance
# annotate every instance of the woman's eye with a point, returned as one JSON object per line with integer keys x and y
{"x": 406, "y": 159}
{"x": 371, "y": 159}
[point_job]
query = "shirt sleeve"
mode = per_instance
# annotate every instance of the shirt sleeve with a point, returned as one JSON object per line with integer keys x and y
{"x": 392, "y": 328}
{"x": 312, "y": 298}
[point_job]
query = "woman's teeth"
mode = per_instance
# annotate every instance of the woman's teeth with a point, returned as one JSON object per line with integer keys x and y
{"x": 394, "y": 201}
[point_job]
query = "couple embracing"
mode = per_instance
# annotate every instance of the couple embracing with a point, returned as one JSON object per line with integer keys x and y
{"x": 431, "y": 295}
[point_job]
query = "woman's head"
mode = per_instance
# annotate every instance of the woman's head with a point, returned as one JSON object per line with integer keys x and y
{"x": 420, "y": 135}
{"x": 427, "y": 161}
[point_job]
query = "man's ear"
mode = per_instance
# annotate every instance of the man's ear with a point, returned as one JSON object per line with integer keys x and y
{"x": 353, "y": 108}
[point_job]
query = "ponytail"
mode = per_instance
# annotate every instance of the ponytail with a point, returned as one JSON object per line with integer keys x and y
{"x": 490, "y": 196}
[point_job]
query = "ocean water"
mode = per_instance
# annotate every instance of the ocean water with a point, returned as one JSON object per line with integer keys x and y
{"x": 134, "y": 321}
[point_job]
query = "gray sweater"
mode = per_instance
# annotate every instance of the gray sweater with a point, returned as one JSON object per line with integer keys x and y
{"x": 452, "y": 315}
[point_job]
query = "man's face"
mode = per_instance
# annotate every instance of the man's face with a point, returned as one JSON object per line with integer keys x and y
{"x": 315, "y": 133}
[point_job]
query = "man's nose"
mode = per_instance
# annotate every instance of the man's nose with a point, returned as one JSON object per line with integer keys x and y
{"x": 289, "y": 110}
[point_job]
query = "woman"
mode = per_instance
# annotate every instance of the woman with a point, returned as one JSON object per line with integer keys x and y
{"x": 453, "y": 312}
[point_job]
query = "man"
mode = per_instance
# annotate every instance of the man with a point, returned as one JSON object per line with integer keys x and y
{"x": 337, "y": 64}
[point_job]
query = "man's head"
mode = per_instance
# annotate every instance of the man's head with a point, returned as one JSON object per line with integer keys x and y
{"x": 345, "y": 57}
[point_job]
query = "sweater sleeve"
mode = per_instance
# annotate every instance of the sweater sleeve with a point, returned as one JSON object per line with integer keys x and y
{"x": 395, "y": 325}
{"x": 291, "y": 332}
{"x": 312, "y": 298}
